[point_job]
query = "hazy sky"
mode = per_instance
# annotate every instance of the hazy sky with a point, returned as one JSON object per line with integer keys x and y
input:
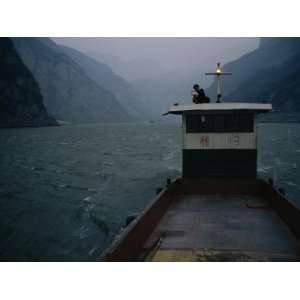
{"x": 136, "y": 58}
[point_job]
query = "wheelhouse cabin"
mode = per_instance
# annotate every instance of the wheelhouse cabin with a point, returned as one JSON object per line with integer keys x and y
{"x": 219, "y": 139}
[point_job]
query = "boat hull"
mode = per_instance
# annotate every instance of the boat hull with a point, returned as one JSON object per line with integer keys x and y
{"x": 212, "y": 219}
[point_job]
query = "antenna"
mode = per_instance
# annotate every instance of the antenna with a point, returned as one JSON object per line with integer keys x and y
{"x": 218, "y": 73}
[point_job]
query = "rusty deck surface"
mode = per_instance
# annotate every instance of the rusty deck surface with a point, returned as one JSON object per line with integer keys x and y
{"x": 221, "y": 227}
{"x": 212, "y": 219}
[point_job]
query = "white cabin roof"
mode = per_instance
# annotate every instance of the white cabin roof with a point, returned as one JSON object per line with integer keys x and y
{"x": 225, "y": 106}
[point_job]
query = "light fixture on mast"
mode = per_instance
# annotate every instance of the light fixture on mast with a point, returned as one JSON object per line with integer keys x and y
{"x": 218, "y": 73}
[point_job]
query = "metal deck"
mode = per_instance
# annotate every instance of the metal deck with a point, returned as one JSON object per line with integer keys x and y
{"x": 221, "y": 228}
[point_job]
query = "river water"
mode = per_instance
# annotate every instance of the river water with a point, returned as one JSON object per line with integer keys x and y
{"x": 65, "y": 191}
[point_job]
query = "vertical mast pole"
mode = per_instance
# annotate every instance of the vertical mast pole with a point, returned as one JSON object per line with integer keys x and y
{"x": 218, "y": 74}
{"x": 219, "y": 95}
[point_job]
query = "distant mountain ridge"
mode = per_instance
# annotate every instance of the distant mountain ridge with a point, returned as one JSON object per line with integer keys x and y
{"x": 102, "y": 74}
{"x": 269, "y": 74}
{"x": 69, "y": 93}
{"x": 21, "y": 102}
{"x": 271, "y": 52}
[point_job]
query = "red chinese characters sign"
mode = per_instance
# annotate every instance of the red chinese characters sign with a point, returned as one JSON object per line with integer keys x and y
{"x": 204, "y": 140}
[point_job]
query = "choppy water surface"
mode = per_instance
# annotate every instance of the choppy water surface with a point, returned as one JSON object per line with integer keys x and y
{"x": 65, "y": 191}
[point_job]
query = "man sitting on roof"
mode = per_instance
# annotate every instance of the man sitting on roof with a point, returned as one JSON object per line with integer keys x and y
{"x": 199, "y": 95}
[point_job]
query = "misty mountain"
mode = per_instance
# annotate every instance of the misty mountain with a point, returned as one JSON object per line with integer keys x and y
{"x": 162, "y": 70}
{"x": 277, "y": 84}
{"x": 268, "y": 74}
{"x": 69, "y": 93}
{"x": 272, "y": 54}
{"x": 21, "y": 102}
{"x": 136, "y": 58}
{"x": 105, "y": 77}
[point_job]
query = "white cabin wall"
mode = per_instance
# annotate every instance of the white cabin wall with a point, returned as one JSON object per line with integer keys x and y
{"x": 239, "y": 140}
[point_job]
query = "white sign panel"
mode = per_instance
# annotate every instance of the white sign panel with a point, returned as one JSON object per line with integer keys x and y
{"x": 219, "y": 141}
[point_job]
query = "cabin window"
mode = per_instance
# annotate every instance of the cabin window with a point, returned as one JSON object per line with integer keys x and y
{"x": 219, "y": 123}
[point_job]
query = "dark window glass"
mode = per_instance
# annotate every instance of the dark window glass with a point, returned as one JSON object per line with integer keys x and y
{"x": 219, "y": 123}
